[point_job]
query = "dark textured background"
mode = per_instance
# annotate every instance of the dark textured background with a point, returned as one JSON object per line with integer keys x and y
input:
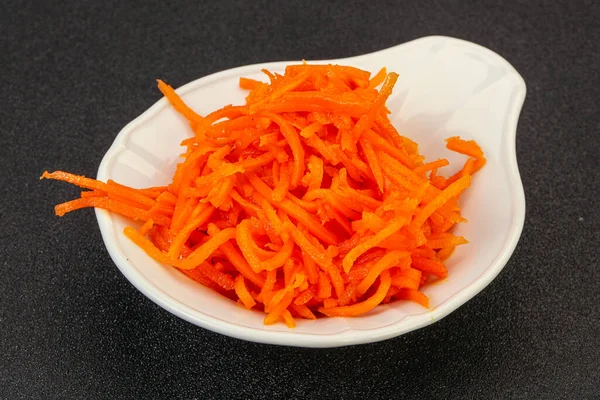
{"x": 71, "y": 326}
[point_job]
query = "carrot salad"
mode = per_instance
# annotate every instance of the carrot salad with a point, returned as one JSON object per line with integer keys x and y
{"x": 304, "y": 202}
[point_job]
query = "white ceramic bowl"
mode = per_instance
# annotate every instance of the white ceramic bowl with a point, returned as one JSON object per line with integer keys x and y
{"x": 447, "y": 87}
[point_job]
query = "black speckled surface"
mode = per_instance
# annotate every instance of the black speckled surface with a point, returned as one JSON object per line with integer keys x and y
{"x": 71, "y": 326}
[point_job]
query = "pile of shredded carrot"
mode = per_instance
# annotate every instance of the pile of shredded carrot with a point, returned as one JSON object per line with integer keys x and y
{"x": 303, "y": 202}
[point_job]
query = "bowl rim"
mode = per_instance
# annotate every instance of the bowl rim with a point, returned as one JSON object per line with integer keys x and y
{"x": 349, "y": 336}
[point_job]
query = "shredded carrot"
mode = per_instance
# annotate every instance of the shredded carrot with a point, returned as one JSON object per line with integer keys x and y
{"x": 203, "y": 252}
{"x": 178, "y": 103}
{"x": 378, "y": 78}
{"x": 365, "y": 306}
{"x": 249, "y": 84}
{"x": 413, "y": 295}
{"x": 324, "y": 286}
{"x": 303, "y": 203}
{"x": 242, "y": 292}
{"x": 288, "y": 319}
{"x": 146, "y": 227}
{"x": 388, "y": 261}
{"x": 303, "y": 311}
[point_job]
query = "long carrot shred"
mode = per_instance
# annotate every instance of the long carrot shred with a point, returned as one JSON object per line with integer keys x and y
{"x": 373, "y": 162}
{"x": 146, "y": 227}
{"x": 242, "y": 292}
{"x": 203, "y": 252}
{"x": 365, "y": 306}
{"x": 178, "y": 103}
{"x": 388, "y": 261}
{"x": 413, "y": 295}
{"x": 378, "y": 78}
{"x": 303, "y": 203}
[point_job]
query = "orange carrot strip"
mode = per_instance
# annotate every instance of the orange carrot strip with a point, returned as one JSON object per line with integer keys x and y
{"x": 313, "y": 225}
{"x": 445, "y": 252}
{"x": 394, "y": 167}
{"x": 303, "y": 311}
{"x": 250, "y": 208}
{"x": 248, "y": 84}
{"x": 268, "y": 285}
{"x": 409, "y": 278}
{"x": 329, "y": 303}
{"x": 182, "y": 236}
{"x": 160, "y": 237}
{"x": 203, "y": 252}
{"x": 283, "y": 184}
{"x": 199, "y": 275}
{"x": 251, "y": 164}
{"x": 336, "y": 201}
{"x": 167, "y": 198}
{"x": 152, "y": 192}
{"x": 307, "y": 247}
{"x": 442, "y": 240}
{"x": 270, "y": 213}
{"x": 93, "y": 193}
{"x": 219, "y": 196}
{"x": 362, "y": 307}
{"x": 181, "y": 214}
{"x": 274, "y": 315}
{"x": 413, "y": 295}
{"x": 293, "y": 139}
{"x": 442, "y": 162}
{"x": 146, "y": 227}
{"x": 434, "y": 267}
{"x": 101, "y": 202}
{"x": 242, "y": 292}
{"x": 378, "y": 78}
{"x": 468, "y": 147}
{"x": 359, "y": 198}
{"x": 288, "y": 271}
{"x": 348, "y": 295}
{"x": 339, "y": 218}
{"x": 309, "y": 101}
{"x": 178, "y": 103}
{"x": 241, "y": 264}
{"x": 328, "y": 152}
{"x": 129, "y": 202}
{"x": 451, "y": 191}
{"x": 226, "y": 128}
{"x": 309, "y": 206}
{"x": 290, "y": 85}
{"x": 304, "y": 297}
{"x": 94, "y": 184}
{"x": 294, "y": 211}
{"x": 280, "y": 258}
{"x": 311, "y": 130}
{"x": 147, "y": 246}
{"x": 365, "y": 121}
{"x": 315, "y": 174}
{"x": 324, "y": 286}
{"x": 386, "y": 262}
{"x": 373, "y": 162}
{"x": 288, "y": 319}
{"x": 394, "y": 226}
{"x": 311, "y": 268}
{"x": 345, "y": 71}
{"x": 223, "y": 280}
{"x": 380, "y": 143}
{"x": 243, "y": 236}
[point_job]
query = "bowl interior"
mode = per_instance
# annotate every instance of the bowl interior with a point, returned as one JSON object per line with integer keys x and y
{"x": 446, "y": 88}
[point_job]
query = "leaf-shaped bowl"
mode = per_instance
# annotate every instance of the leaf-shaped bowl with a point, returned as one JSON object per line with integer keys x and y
{"x": 447, "y": 87}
